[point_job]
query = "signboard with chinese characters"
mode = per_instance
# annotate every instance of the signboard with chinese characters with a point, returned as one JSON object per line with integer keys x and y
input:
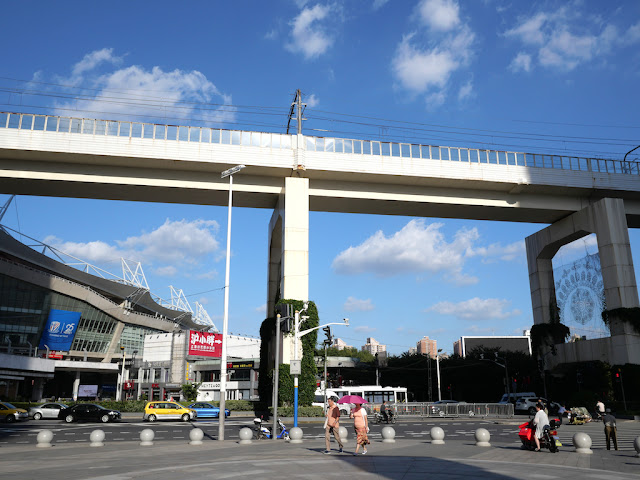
{"x": 59, "y": 330}
{"x": 205, "y": 344}
{"x": 87, "y": 390}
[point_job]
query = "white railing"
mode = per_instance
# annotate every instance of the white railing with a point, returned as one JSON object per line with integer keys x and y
{"x": 431, "y": 409}
{"x": 91, "y": 126}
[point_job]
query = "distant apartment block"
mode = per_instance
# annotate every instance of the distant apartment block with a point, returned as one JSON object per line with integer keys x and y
{"x": 426, "y": 346}
{"x": 340, "y": 344}
{"x": 413, "y": 351}
{"x": 373, "y": 347}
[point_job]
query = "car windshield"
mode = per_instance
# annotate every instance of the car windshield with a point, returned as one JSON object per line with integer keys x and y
{"x": 8, "y": 405}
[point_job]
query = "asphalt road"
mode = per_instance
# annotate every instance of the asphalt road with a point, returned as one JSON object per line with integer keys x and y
{"x": 502, "y": 432}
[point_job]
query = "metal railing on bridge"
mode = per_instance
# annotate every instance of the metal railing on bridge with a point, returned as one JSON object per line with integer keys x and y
{"x": 91, "y": 126}
{"x": 431, "y": 409}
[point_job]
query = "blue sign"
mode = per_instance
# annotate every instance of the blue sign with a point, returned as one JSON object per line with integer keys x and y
{"x": 59, "y": 330}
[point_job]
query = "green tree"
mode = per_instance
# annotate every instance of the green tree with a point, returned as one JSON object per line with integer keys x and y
{"x": 190, "y": 391}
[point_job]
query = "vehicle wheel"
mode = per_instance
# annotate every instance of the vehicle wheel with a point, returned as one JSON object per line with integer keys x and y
{"x": 151, "y": 418}
{"x": 37, "y": 416}
{"x": 393, "y": 419}
{"x": 104, "y": 418}
{"x": 441, "y": 413}
{"x": 532, "y": 410}
{"x": 286, "y": 436}
{"x": 186, "y": 417}
{"x": 10, "y": 419}
{"x": 69, "y": 419}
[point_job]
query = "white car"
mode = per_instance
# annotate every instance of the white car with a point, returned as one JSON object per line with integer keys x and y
{"x": 46, "y": 410}
{"x": 528, "y": 404}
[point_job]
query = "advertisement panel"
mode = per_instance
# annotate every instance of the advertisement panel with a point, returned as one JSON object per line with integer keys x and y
{"x": 59, "y": 330}
{"x": 87, "y": 390}
{"x": 205, "y": 344}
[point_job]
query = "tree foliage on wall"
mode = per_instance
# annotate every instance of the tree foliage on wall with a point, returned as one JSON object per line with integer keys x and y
{"x": 628, "y": 315}
{"x": 549, "y": 334}
{"x": 307, "y": 379}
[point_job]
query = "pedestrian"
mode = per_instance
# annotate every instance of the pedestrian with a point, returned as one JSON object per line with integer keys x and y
{"x": 610, "y": 430}
{"x": 332, "y": 425}
{"x": 539, "y": 421}
{"x": 361, "y": 425}
{"x": 600, "y": 410}
{"x": 383, "y": 411}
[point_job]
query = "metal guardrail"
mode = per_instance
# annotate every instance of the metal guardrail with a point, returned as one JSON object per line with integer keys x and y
{"x": 91, "y": 126}
{"x": 431, "y": 409}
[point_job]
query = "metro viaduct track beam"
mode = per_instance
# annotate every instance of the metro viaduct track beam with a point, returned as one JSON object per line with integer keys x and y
{"x": 340, "y": 192}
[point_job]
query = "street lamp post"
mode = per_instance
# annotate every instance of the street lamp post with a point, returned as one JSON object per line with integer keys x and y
{"x": 225, "y": 323}
{"x": 121, "y": 390}
{"x": 438, "y": 372}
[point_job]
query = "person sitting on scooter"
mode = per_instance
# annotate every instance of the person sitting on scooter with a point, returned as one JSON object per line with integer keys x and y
{"x": 539, "y": 421}
{"x": 383, "y": 411}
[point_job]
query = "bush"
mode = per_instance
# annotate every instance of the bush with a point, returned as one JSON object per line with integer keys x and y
{"x": 302, "y": 411}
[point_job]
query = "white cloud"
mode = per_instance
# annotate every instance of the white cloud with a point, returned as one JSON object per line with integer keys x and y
{"x": 521, "y": 62}
{"x": 262, "y": 309}
{"x": 440, "y": 15}
{"x": 365, "y": 329}
{"x": 426, "y": 60}
{"x": 166, "y": 271}
{"x": 312, "y": 101}
{"x": 494, "y": 251}
{"x": 172, "y": 244}
{"x": 480, "y": 330}
{"x": 418, "y": 70}
{"x": 210, "y": 275}
{"x": 566, "y": 38}
{"x": 93, "y": 59}
{"x": 378, "y": 4}
{"x": 475, "y": 309}
{"x": 135, "y": 90}
{"x": 308, "y": 34}
{"x": 466, "y": 91}
{"x": 356, "y": 305}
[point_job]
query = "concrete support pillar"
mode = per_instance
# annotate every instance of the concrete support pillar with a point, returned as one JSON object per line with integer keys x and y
{"x": 76, "y": 386}
{"x": 289, "y": 244}
{"x": 38, "y": 389}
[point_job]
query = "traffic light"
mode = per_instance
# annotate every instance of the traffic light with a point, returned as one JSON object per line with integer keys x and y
{"x": 617, "y": 376}
{"x": 285, "y": 324}
{"x": 284, "y": 309}
{"x": 327, "y": 331}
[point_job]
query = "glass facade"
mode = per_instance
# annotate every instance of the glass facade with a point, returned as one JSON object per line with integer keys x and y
{"x": 24, "y": 309}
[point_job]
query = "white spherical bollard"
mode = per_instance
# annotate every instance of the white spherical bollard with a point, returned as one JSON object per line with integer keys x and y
{"x": 97, "y": 437}
{"x": 196, "y": 435}
{"x": 437, "y": 436}
{"x": 344, "y": 435}
{"x": 388, "y": 435}
{"x": 482, "y": 437}
{"x": 582, "y": 442}
{"x": 636, "y": 445}
{"x": 146, "y": 437}
{"x": 246, "y": 434}
{"x": 44, "y": 438}
{"x": 295, "y": 435}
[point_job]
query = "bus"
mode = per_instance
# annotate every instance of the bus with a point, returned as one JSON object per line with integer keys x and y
{"x": 373, "y": 394}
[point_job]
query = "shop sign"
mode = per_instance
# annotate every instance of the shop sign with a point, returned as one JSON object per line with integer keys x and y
{"x": 155, "y": 385}
{"x": 128, "y": 385}
{"x": 55, "y": 355}
{"x": 205, "y": 344}
{"x": 234, "y": 365}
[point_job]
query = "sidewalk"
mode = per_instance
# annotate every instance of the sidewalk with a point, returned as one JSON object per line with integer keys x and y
{"x": 406, "y": 459}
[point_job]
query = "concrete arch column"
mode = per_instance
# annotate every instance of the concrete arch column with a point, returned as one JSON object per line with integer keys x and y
{"x": 606, "y": 218}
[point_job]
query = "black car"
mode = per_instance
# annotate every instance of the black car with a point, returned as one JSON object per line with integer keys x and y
{"x": 89, "y": 412}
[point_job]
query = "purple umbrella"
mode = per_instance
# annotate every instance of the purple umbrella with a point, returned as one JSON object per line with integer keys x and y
{"x": 352, "y": 399}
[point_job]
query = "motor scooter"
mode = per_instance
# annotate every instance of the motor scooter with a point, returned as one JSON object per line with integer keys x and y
{"x": 261, "y": 431}
{"x": 379, "y": 417}
{"x": 549, "y": 437}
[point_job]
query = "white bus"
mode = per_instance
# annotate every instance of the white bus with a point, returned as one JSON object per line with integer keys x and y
{"x": 373, "y": 394}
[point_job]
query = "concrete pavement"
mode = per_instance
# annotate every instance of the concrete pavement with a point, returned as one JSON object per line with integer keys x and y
{"x": 405, "y": 459}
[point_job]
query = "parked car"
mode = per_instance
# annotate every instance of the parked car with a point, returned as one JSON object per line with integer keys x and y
{"x": 206, "y": 410}
{"x": 11, "y": 413}
{"x": 46, "y": 410}
{"x": 167, "y": 411}
{"x": 514, "y": 397}
{"x": 528, "y": 405}
{"x": 88, "y": 412}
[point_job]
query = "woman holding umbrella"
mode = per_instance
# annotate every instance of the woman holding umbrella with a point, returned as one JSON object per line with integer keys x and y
{"x": 361, "y": 424}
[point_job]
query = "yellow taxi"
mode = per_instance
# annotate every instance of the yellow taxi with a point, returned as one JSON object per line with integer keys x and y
{"x": 11, "y": 413}
{"x": 165, "y": 410}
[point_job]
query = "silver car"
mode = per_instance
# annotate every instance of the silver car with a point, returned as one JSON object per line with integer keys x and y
{"x": 46, "y": 410}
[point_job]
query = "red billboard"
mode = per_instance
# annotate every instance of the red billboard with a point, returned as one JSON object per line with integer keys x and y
{"x": 205, "y": 344}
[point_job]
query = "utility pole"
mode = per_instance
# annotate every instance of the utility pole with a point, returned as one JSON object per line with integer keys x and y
{"x": 296, "y": 106}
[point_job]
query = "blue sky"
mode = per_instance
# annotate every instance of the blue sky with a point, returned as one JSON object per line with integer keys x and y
{"x": 545, "y": 77}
